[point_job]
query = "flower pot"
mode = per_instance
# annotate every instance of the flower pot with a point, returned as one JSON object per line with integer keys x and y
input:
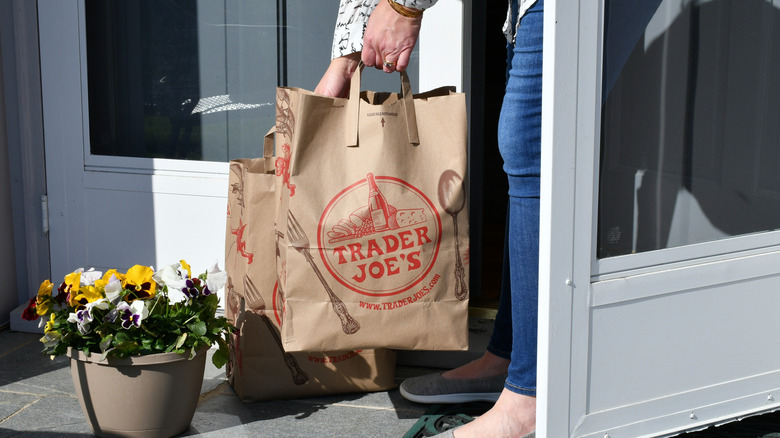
{"x": 142, "y": 396}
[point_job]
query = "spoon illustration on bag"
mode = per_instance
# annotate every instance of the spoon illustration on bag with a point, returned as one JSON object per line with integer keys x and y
{"x": 452, "y": 199}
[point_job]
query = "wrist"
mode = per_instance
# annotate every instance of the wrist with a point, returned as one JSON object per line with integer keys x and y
{"x": 404, "y": 10}
{"x": 347, "y": 63}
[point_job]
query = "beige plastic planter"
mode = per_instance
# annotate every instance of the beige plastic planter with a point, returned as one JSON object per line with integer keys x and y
{"x": 145, "y": 396}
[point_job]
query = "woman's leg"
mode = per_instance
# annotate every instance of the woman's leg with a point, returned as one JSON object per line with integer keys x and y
{"x": 519, "y": 134}
{"x": 514, "y": 335}
{"x": 496, "y": 359}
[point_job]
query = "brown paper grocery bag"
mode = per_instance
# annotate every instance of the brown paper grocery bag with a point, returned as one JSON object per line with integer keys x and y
{"x": 372, "y": 219}
{"x": 259, "y": 368}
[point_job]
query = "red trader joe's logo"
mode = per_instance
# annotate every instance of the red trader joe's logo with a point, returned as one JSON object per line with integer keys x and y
{"x": 380, "y": 236}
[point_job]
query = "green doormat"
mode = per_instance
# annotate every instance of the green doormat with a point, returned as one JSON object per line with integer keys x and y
{"x": 439, "y": 418}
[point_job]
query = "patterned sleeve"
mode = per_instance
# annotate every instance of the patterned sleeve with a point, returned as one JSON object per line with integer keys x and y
{"x": 352, "y": 20}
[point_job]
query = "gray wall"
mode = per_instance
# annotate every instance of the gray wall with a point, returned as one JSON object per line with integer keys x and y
{"x": 8, "y": 298}
{"x": 25, "y": 255}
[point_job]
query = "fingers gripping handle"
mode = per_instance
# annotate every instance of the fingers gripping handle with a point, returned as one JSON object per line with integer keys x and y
{"x": 353, "y": 109}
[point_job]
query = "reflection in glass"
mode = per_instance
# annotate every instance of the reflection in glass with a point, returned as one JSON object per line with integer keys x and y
{"x": 690, "y": 139}
{"x": 176, "y": 78}
{"x": 196, "y": 79}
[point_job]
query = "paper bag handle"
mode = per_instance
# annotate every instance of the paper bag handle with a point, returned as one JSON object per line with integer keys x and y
{"x": 268, "y": 150}
{"x": 353, "y": 107}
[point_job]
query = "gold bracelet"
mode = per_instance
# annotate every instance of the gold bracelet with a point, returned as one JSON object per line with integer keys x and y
{"x": 403, "y": 10}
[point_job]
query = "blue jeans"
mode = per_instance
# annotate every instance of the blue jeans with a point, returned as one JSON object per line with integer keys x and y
{"x": 519, "y": 141}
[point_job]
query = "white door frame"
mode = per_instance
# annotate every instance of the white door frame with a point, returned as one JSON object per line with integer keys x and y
{"x": 640, "y": 345}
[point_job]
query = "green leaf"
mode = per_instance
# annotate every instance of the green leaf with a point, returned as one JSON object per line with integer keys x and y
{"x": 122, "y": 337}
{"x": 105, "y": 354}
{"x": 220, "y": 358}
{"x": 105, "y": 343}
{"x": 198, "y": 328}
{"x": 180, "y": 341}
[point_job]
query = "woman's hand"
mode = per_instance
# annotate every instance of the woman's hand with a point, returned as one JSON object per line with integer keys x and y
{"x": 335, "y": 82}
{"x": 390, "y": 37}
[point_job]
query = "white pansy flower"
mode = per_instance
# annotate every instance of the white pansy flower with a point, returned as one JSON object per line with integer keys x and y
{"x": 113, "y": 289}
{"x": 215, "y": 278}
{"x": 89, "y": 277}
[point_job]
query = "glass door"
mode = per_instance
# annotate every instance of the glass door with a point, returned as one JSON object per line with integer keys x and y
{"x": 145, "y": 102}
{"x": 180, "y": 79}
{"x": 689, "y": 132}
{"x": 659, "y": 244}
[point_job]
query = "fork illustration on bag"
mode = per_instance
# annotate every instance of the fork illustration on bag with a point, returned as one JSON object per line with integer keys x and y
{"x": 300, "y": 242}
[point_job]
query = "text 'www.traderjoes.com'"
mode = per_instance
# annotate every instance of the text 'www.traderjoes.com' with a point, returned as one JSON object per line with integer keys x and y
{"x": 425, "y": 290}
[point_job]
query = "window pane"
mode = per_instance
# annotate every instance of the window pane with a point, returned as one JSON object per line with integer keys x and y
{"x": 690, "y": 138}
{"x": 195, "y": 79}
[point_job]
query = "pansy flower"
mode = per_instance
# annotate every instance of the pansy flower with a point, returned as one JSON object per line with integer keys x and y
{"x": 30, "y": 312}
{"x": 113, "y": 289}
{"x": 191, "y": 289}
{"x": 49, "y": 324}
{"x": 73, "y": 280}
{"x": 51, "y": 339}
{"x": 111, "y": 284}
{"x": 173, "y": 280}
{"x": 43, "y": 299}
{"x": 191, "y": 286}
{"x": 111, "y": 274}
{"x": 83, "y": 317}
{"x": 79, "y": 287}
{"x": 131, "y": 315}
{"x": 69, "y": 288}
{"x": 140, "y": 282}
{"x": 84, "y": 296}
{"x": 41, "y": 304}
{"x": 63, "y": 295}
{"x": 215, "y": 279}
{"x": 186, "y": 266}
{"x": 89, "y": 277}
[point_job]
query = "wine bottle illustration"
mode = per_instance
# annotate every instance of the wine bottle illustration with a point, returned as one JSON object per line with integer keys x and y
{"x": 377, "y": 205}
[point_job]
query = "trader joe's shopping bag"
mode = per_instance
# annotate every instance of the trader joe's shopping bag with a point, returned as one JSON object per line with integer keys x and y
{"x": 259, "y": 368}
{"x": 373, "y": 223}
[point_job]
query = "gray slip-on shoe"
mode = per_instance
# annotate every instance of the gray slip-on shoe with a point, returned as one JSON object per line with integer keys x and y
{"x": 433, "y": 388}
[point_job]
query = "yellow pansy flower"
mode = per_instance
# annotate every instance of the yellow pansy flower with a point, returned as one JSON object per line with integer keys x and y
{"x": 139, "y": 280}
{"x": 49, "y": 324}
{"x": 101, "y": 284}
{"x": 43, "y": 300}
{"x": 73, "y": 282}
{"x": 85, "y": 295}
{"x": 186, "y": 266}
{"x": 51, "y": 339}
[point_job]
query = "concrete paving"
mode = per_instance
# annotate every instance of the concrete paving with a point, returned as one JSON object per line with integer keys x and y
{"x": 37, "y": 399}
